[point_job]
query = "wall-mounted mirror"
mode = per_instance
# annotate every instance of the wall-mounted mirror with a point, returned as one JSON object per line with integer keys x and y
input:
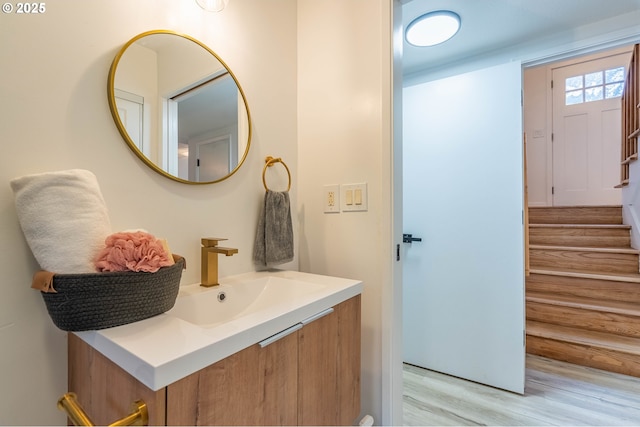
{"x": 179, "y": 107}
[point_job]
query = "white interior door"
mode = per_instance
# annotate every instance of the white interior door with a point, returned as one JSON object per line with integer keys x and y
{"x": 463, "y": 284}
{"x": 131, "y": 109}
{"x": 586, "y": 132}
{"x": 213, "y": 159}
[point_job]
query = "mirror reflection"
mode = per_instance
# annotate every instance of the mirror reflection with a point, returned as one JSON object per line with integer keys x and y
{"x": 179, "y": 107}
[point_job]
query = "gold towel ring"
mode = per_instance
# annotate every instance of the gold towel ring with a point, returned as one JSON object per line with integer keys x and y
{"x": 270, "y": 161}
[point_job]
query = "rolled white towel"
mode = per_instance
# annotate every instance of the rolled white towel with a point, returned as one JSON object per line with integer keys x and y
{"x": 64, "y": 218}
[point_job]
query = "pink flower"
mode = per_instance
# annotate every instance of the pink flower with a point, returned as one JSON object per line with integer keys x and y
{"x": 134, "y": 251}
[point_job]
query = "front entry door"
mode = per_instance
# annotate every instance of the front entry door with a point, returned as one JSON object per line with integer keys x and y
{"x": 586, "y": 132}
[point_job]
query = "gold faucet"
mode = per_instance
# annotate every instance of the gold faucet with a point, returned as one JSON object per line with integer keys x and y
{"x": 209, "y": 260}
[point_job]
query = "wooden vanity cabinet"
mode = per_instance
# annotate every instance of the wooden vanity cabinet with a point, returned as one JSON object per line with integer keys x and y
{"x": 255, "y": 386}
{"x": 309, "y": 377}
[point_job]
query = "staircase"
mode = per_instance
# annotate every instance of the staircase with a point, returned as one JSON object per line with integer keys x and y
{"x": 583, "y": 293}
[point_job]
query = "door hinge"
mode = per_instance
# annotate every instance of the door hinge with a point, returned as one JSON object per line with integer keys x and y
{"x": 198, "y": 162}
{"x": 551, "y": 84}
{"x": 398, "y": 252}
{"x": 553, "y": 190}
{"x": 551, "y": 136}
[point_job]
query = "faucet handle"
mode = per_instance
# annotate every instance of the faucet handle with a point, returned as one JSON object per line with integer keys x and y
{"x": 210, "y": 242}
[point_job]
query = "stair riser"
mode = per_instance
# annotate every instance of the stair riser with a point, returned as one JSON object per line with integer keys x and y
{"x": 584, "y": 261}
{"x": 579, "y": 354}
{"x": 603, "y": 290}
{"x": 614, "y": 323}
{"x": 604, "y": 238}
{"x": 576, "y": 215}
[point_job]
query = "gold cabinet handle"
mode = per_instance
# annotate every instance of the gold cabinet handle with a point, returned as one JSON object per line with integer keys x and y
{"x": 139, "y": 416}
{"x": 69, "y": 403}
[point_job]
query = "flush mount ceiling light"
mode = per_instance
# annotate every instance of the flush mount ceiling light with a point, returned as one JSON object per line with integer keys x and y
{"x": 432, "y": 28}
{"x": 212, "y": 5}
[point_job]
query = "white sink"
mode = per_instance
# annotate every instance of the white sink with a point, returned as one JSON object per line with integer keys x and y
{"x": 209, "y": 307}
{"x": 200, "y": 330}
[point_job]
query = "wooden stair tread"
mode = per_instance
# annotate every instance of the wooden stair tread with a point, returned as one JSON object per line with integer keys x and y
{"x": 575, "y": 214}
{"x": 597, "y": 226}
{"x": 608, "y": 341}
{"x": 580, "y": 235}
{"x": 616, "y": 277}
{"x": 586, "y": 249}
{"x": 617, "y": 307}
{"x": 575, "y": 207}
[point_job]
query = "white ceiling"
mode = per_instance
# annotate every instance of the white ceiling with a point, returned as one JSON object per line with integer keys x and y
{"x": 493, "y": 25}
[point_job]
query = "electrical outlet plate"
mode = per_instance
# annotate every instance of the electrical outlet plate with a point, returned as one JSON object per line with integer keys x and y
{"x": 331, "y": 198}
{"x": 354, "y": 197}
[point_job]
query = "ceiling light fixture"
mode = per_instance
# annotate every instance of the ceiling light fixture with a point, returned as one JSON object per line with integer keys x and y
{"x": 432, "y": 28}
{"x": 212, "y": 5}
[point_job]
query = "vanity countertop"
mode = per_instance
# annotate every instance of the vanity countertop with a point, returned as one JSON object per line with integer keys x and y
{"x": 164, "y": 349}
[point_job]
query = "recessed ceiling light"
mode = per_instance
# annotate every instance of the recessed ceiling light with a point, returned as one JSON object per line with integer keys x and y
{"x": 212, "y": 5}
{"x": 433, "y": 28}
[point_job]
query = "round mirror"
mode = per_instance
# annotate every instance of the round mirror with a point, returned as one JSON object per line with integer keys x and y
{"x": 179, "y": 107}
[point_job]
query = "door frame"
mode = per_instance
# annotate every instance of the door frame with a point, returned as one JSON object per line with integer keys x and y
{"x": 391, "y": 304}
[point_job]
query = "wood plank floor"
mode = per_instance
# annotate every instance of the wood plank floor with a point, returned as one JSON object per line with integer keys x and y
{"x": 556, "y": 393}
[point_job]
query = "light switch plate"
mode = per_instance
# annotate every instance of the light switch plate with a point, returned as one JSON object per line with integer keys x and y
{"x": 358, "y": 201}
{"x": 538, "y": 133}
{"x": 331, "y": 198}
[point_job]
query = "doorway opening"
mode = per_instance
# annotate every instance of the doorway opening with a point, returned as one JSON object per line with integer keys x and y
{"x": 572, "y": 125}
{"x": 534, "y": 131}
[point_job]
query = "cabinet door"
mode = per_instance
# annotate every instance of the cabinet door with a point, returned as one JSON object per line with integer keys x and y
{"x": 329, "y": 367}
{"x": 256, "y": 386}
{"x": 105, "y": 391}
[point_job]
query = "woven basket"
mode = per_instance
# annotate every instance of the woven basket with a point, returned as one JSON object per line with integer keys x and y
{"x": 103, "y": 300}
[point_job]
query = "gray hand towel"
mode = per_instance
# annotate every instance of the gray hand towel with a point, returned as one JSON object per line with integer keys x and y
{"x": 274, "y": 237}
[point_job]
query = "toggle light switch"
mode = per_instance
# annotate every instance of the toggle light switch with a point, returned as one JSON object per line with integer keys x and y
{"x": 357, "y": 196}
{"x": 354, "y": 197}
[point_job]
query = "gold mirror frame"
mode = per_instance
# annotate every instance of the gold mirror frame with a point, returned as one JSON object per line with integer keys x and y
{"x": 127, "y": 138}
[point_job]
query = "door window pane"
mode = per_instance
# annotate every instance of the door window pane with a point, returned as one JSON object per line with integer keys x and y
{"x": 614, "y": 90}
{"x": 614, "y": 75}
{"x": 573, "y": 83}
{"x": 573, "y": 97}
{"x": 593, "y": 79}
{"x": 593, "y": 94}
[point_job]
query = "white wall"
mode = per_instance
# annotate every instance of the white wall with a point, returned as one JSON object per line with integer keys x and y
{"x": 538, "y": 133}
{"x": 631, "y": 203}
{"x": 55, "y": 115}
{"x": 138, "y": 74}
{"x": 344, "y": 133}
{"x": 174, "y": 77}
